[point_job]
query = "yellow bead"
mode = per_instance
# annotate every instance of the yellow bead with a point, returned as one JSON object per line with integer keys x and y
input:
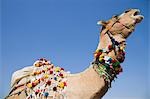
{"x": 121, "y": 48}
{"x": 37, "y": 65}
{"x": 61, "y": 85}
{"x": 36, "y": 81}
{"x": 29, "y": 85}
{"x": 46, "y": 76}
{"x": 100, "y": 59}
{"x": 38, "y": 72}
{"x": 102, "y": 55}
{"x": 57, "y": 69}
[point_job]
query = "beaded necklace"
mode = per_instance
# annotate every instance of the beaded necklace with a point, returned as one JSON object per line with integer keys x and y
{"x": 106, "y": 66}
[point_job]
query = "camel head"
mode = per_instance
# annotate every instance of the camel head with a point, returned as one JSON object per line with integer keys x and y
{"x": 123, "y": 24}
{"x": 113, "y": 39}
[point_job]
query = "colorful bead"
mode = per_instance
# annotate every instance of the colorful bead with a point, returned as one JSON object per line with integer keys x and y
{"x": 55, "y": 89}
{"x": 42, "y": 79}
{"x": 36, "y": 81}
{"x": 102, "y": 55}
{"x": 111, "y": 66}
{"x": 37, "y": 65}
{"x": 46, "y": 94}
{"x": 61, "y": 75}
{"x": 113, "y": 61}
{"x": 33, "y": 84}
{"x": 116, "y": 64}
{"x": 121, "y": 48}
{"x": 65, "y": 84}
{"x": 48, "y": 82}
{"x": 46, "y": 75}
{"x": 110, "y": 47}
{"x": 62, "y": 69}
{"x": 38, "y": 72}
{"x": 96, "y": 55}
{"x": 61, "y": 85}
{"x": 37, "y": 91}
{"x": 57, "y": 69}
{"x": 101, "y": 60}
{"x": 51, "y": 72}
{"x": 29, "y": 85}
{"x": 55, "y": 78}
{"x": 43, "y": 71}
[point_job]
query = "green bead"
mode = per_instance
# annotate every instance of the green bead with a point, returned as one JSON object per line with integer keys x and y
{"x": 116, "y": 64}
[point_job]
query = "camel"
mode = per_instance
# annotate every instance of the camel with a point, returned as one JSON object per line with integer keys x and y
{"x": 93, "y": 82}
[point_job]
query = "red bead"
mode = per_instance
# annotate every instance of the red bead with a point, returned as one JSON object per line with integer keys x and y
{"x": 97, "y": 54}
{"x": 39, "y": 80}
{"x": 48, "y": 82}
{"x": 33, "y": 84}
{"x": 61, "y": 74}
{"x": 113, "y": 61}
{"x": 51, "y": 72}
{"x": 109, "y": 47}
{"x": 49, "y": 68}
{"x": 62, "y": 68}
{"x": 65, "y": 84}
{"x": 42, "y": 79}
{"x": 43, "y": 71}
{"x": 37, "y": 91}
{"x": 111, "y": 66}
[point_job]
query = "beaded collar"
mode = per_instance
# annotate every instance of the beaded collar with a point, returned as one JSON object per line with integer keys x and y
{"x": 106, "y": 66}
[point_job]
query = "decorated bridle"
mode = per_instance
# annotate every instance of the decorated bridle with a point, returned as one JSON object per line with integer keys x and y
{"x": 106, "y": 66}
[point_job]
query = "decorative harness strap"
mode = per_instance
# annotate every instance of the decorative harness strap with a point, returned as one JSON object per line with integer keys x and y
{"x": 116, "y": 20}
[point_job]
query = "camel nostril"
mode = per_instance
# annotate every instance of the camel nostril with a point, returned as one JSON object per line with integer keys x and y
{"x": 139, "y": 20}
{"x": 142, "y": 18}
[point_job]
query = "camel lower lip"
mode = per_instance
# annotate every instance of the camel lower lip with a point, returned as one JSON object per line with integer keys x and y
{"x": 138, "y": 17}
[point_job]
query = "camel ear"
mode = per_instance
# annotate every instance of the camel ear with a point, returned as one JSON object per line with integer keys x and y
{"x": 103, "y": 23}
{"x": 115, "y": 16}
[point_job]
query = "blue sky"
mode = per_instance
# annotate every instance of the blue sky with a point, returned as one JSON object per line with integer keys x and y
{"x": 65, "y": 31}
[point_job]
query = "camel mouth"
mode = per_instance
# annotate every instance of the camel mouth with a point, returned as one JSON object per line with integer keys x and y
{"x": 136, "y": 15}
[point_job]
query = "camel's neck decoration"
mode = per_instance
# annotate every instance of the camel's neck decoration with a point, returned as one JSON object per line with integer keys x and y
{"x": 44, "y": 80}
